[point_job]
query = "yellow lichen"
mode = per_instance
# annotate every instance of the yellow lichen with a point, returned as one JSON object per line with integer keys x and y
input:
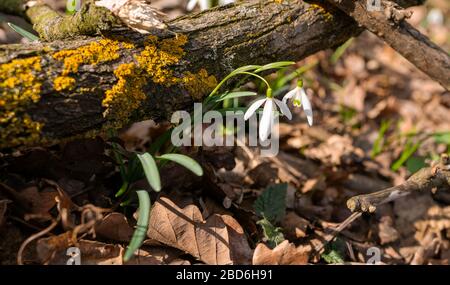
{"x": 152, "y": 63}
{"x": 96, "y": 52}
{"x": 93, "y": 53}
{"x": 19, "y": 88}
{"x": 126, "y": 95}
{"x": 199, "y": 84}
{"x": 157, "y": 56}
{"x": 63, "y": 83}
{"x": 322, "y": 11}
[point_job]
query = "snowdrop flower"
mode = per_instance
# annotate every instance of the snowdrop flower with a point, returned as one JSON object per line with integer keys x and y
{"x": 270, "y": 106}
{"x": 205, "y": 4}
{"x": 299, "y": 98}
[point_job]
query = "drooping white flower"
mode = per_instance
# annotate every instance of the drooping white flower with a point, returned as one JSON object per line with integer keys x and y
{"x": 267, "y": 119}
{"x": 205, "y": 4}
{"x": 299, "y": 98}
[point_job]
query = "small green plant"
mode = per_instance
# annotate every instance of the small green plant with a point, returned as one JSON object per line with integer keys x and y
{"x": 340, "y": 51}
{"x": 379, "y": 142}
{"x": 334, "y": 252}
{"x": 409, "y": 149}
{"x": 145, "y": 165}
{"x": 271, "y": 208}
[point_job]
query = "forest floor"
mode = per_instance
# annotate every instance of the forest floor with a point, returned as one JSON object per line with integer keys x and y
{"x": 377, "y": 120}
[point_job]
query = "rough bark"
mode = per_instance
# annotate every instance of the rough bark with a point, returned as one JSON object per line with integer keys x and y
{"x": 435, "y": 176}
{"x": 389, "y": 24}
{"x": 60, "y": 102}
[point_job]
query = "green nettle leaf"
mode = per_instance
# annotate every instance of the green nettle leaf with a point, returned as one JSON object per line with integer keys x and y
{"x": 271, "y": 204}
{"x": 272, "y": 235}
{"x": 185, "y": 161}
{"x": 150, "y": 170}
{"x": 415, "y": 163}
{"x": 335, "y": 252}
{"x": 24, "y": 33}
{"x": 142, "y": 224}
{"x": 332, "y": 256}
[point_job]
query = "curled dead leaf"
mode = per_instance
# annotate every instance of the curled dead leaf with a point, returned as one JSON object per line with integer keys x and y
{"x": 54, "y": 250}
{"x": 185, "y": 229}
{"x": 285, "y": 253}
{"x": 114, "y": 227}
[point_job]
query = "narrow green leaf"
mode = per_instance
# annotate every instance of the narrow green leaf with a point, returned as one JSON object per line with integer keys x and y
{"x": 245, "y": 68}
{"x": 340, "y": 51}
{"x": 24, "y": 33}
{"x": 237, "y": 94}
{"x": 274, "y": 65}
{"x": 122, "y": 189}
{"x": 409, "y": 150}
{"x": 150, "y": 170}
{"x": 378, "y": 144}
{"x": 142, "y": 225}
{"x": 271, "y": 204}
{"x": 185, "y": 161}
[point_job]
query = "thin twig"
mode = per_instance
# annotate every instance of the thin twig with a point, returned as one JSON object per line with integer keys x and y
{"x": 35, "y": 236}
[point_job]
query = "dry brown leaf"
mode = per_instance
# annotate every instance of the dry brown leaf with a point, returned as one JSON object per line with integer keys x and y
{"x": 185, "y": 229}
{"x": 294, "y": 226}
{"x": 114, "y": 227}
{"x": 41, "y": 201}
{"x": 241, "y": 252}
{"x": 53, "y": 250}
{"x": 155, "y": 255}
{"x": 386, "y": 230}
{"x": 284, "y": 254}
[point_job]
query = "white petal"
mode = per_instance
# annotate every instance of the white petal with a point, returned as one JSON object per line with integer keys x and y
{"x": 307, "y": 107}
{"x": 253, "y": 108}
{"x": 191, "y": 5}
{"x": 284, "y": 109}
{"x": 289, "y": 95}
{"x": 265, "y": 125}
{"x": 204, "y": 4}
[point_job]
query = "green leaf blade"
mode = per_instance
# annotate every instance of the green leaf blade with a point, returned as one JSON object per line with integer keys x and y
{"x": 150, "y": 170}
{"x": 185, "y": 161}
{"x": 24, "y": 33}
{"x": 142, "y": 224}
{"x": 274, "y": 65}
{"x": 233, "y": 95}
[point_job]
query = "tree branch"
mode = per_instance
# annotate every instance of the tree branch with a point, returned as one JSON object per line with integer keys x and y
{"x": 437, "y": 175}
{"x": 389, "y": 25}
{"x": 58, "y": 90}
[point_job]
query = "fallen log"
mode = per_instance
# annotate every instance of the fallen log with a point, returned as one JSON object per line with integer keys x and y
{"x": 62, "y": 89}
